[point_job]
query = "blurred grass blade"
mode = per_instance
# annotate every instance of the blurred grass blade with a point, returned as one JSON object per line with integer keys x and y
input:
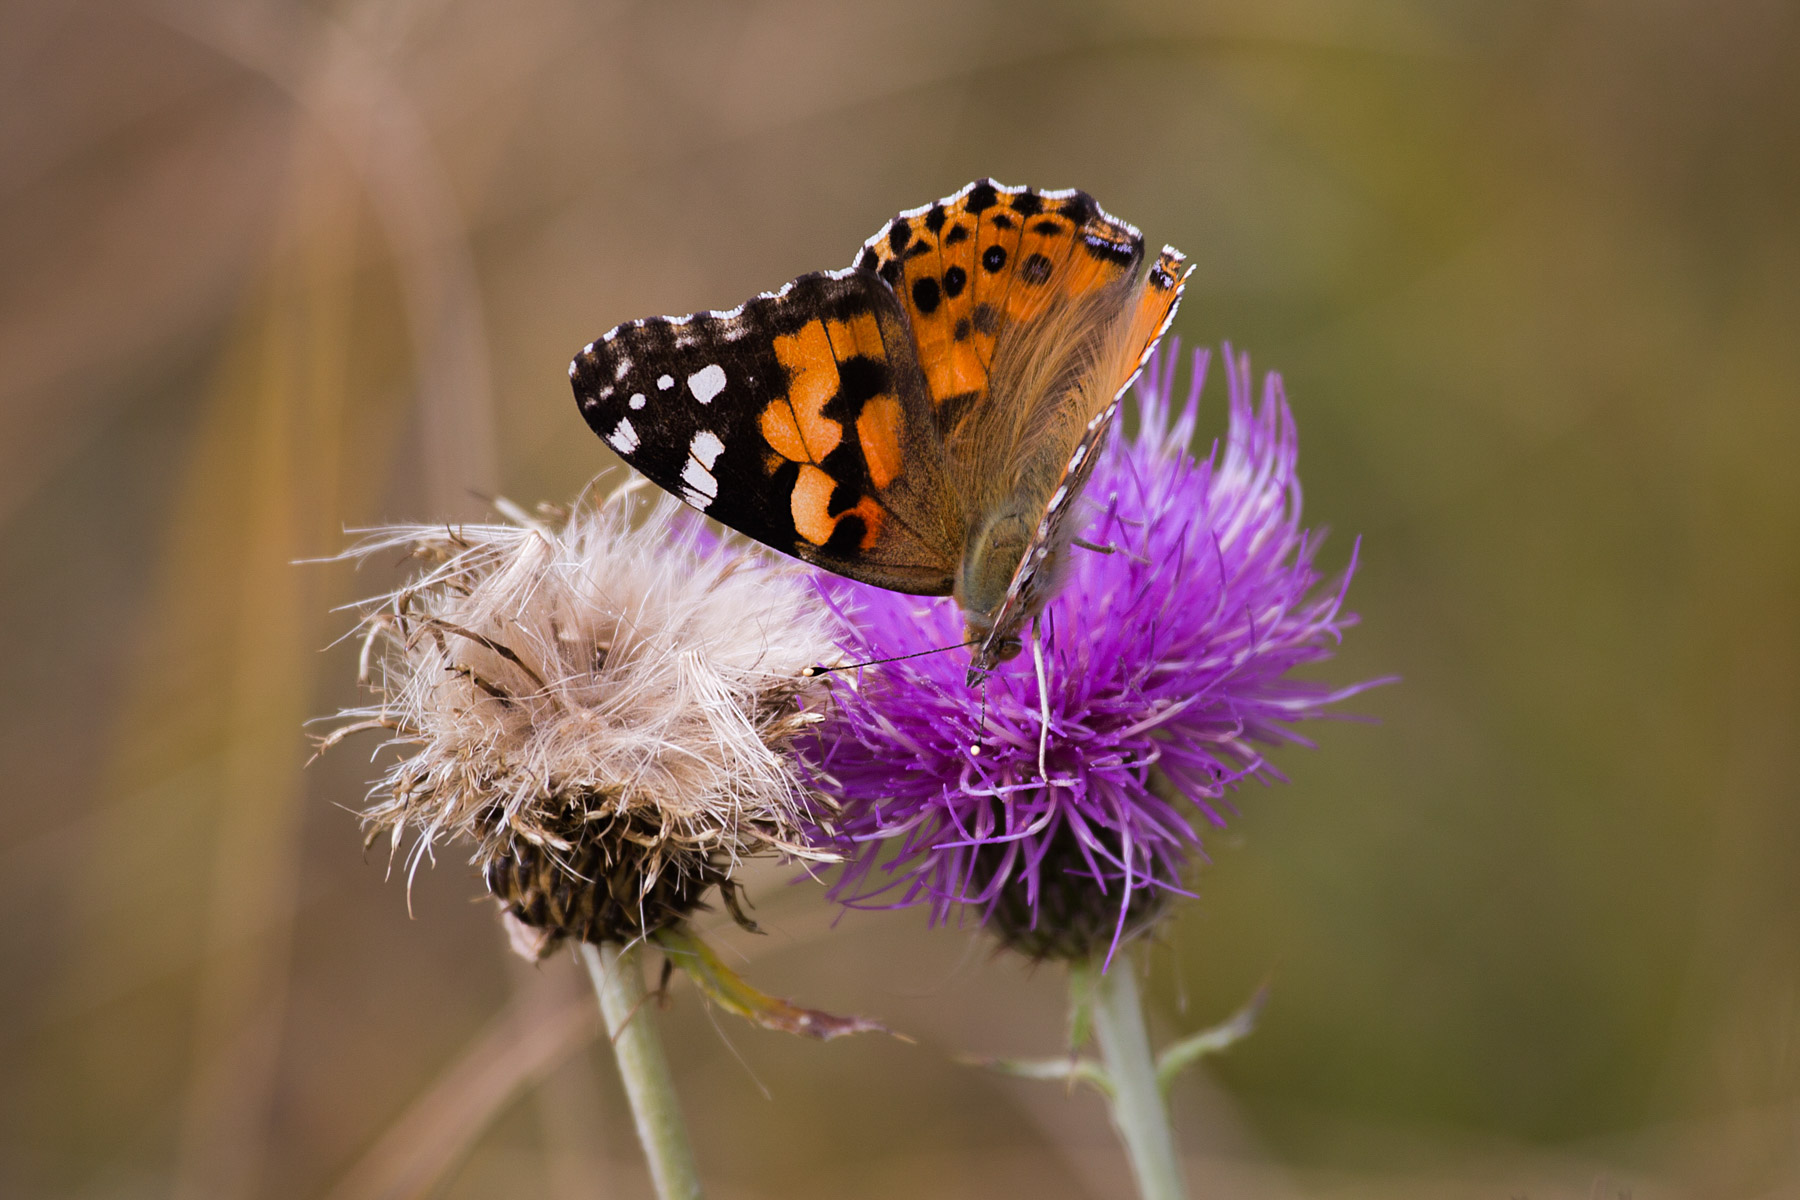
{"x": 520, "y": 1046}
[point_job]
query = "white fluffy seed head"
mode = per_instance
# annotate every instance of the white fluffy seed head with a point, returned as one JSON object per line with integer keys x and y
{"x": 612, "y": 686}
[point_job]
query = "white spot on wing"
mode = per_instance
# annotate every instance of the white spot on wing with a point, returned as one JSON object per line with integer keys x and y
{"x": 664, "y": 382}
{"x": 637, "y": 400}
{"x": 707, "y": 382}
{"x": 621, "y": 368}
{"x": 706, "y": 447}
{"x": 623, "y": 438}
{"x": 698, "y": 487}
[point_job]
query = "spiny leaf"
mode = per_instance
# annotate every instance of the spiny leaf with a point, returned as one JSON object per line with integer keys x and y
{"x": 1189, "y": 1050}
{"x": 727, "y": 989}
{"x": 1072, "y": 1069}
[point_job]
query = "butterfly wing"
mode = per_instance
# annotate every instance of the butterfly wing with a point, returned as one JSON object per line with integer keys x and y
{"x": 987, "y": 257}
{"x": 800, "y": 418}
{"x": 1033, "y": 581}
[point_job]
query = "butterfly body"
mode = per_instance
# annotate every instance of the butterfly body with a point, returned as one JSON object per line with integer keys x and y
{"x": 923, "y": 421}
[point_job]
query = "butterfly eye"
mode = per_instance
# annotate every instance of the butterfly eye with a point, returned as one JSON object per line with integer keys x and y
{"x": 1008, "y": 649}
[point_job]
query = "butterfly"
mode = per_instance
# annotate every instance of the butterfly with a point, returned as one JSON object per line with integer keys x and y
{"x": 922, "y": 421}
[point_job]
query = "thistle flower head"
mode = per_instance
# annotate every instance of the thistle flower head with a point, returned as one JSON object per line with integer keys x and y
{"x": 1062, "y": 814}
{"x": 601, "y": 703}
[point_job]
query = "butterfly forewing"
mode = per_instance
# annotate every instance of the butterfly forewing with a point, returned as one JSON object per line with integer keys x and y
{"x": 800, "y": 419}
{"x": 923, "y": 421}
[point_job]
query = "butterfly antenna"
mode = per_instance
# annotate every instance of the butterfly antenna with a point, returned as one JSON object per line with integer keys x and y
{"x": 816, "y": 671}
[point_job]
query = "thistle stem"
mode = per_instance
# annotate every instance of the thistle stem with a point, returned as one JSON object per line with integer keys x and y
{"x": 619, "y": 982}
{"x": 1138, "y": 1111}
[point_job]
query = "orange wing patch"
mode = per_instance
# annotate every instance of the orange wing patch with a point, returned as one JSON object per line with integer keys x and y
{"x": 990, "y": 255}
{"x": 878, "y": 429}
{"x": 795, "y": 424}
{"x": 798, "y": 430}
{"x": 813, "y": 518}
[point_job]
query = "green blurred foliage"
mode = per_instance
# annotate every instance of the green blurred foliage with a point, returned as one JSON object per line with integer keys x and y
{"x": 1531, "y": 272}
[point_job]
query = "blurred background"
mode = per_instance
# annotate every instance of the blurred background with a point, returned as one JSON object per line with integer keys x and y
{"x": 1531, "y": 271}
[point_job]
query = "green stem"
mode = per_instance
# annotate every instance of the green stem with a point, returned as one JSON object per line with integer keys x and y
{"x": 619, "y": 982}
{"x": 1138, "y": 1112}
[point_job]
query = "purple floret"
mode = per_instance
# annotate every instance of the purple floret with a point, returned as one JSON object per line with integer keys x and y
{"x": 1168, "y": 664}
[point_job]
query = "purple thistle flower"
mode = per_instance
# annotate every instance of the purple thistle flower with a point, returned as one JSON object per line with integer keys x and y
{"x": 1167, "y": 664}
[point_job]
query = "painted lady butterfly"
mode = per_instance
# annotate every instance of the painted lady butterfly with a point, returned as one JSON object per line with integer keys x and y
{"x": 922, "y": 421}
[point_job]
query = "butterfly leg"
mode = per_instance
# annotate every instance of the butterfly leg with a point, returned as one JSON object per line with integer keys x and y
{"x": 1087, "y": 545}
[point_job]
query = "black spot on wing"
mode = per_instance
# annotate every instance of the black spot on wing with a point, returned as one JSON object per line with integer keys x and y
{"x": 844, "y": 495}
{"x": 993, "y": 258}
{"x": 847, "y": 466}
{"x": 899, "y": 234}
{"x": 1080, "y": 208}
{"x": 981, "y": 197}
{"x": 1047, "y": 227}
{"x": 1028, "y": 204}
{"x": 958, "y": 233}
{"x": 1125, "y": 254}
{"x": 846, "y": 538}
{"x": 987, "y": 318}
{"x": 1002, "y": 221}
{"x": 859, "y": 378}
{"x": 934, "y": 219}
{"x": 955, "y": 279}
{"x": 925, "y": 295}
{"x": 1035, "y": 269}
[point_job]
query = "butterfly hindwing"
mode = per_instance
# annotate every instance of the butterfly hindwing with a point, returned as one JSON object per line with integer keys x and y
{"x": 800, "y": 419}
{"x": 1153, "y": 310}
{"x": 969, "y": 265}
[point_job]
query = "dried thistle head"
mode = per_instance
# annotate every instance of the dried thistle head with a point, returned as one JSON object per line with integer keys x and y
{"x": 601, "y": 702}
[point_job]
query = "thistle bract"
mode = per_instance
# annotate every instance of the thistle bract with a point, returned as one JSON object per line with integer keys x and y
{"x": 1064, "y": 816}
